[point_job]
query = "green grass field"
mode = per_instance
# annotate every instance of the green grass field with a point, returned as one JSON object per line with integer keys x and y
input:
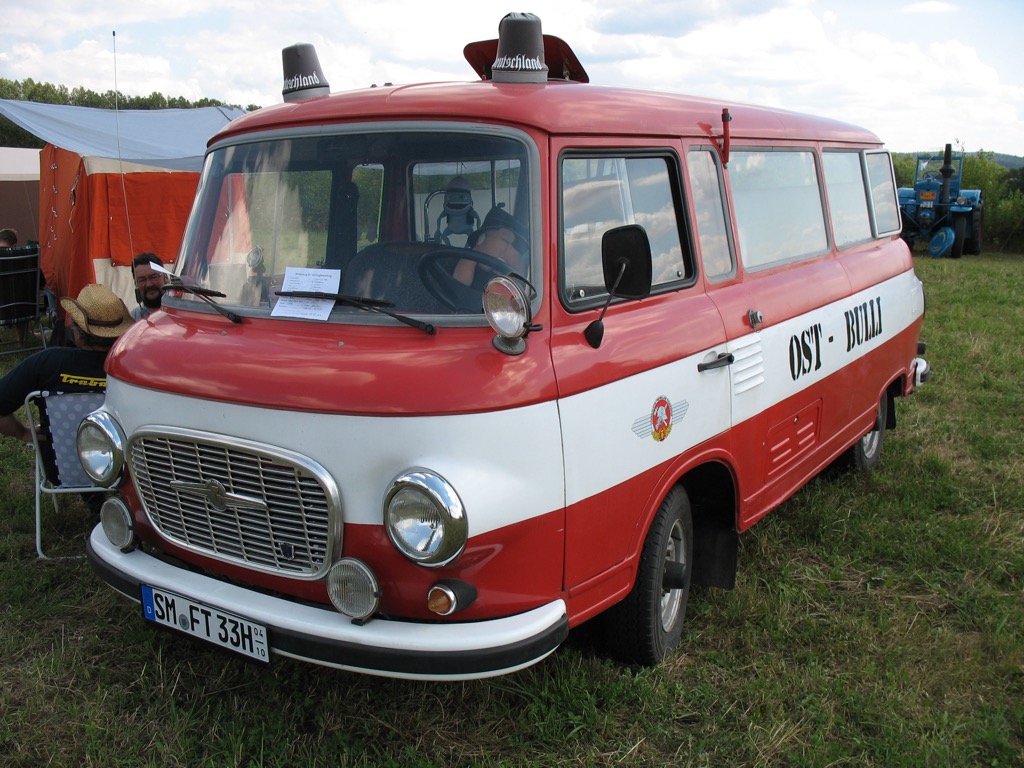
{"x": 876, "y": 621}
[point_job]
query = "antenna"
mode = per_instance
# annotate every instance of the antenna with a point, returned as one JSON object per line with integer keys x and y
{"x": 120, "y": 162}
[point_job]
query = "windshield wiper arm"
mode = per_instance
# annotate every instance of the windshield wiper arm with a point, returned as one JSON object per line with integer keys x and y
{"x": 206, "y": 294}
{"x": 366, "y": 304}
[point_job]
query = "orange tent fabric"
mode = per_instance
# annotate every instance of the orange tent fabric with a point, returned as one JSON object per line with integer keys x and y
{"x": 84, "y": 216}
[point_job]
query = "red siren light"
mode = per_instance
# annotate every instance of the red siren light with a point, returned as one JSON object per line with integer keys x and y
{"x": 303, "y": 78}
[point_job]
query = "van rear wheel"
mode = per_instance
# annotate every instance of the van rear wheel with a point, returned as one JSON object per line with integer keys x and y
{"x": 647, "y": 624}
{"x": 866, "y": 454}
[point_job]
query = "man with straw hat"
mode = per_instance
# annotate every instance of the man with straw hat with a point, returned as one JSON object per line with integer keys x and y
{"x": 96, "y": 319}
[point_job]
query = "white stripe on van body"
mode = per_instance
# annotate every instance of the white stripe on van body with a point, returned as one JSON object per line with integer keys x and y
{"x": 506, "y": 465}
{"x": 601, "y": 449}
{"x": 898, "y": 301}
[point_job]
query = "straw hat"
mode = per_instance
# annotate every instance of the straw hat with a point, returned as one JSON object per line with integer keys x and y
{"x": 98, "y": 312}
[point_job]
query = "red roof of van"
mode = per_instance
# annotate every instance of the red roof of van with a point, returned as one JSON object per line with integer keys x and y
{"x": 556, "y": 107}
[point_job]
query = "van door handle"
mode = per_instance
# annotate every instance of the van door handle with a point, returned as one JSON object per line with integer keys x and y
{"x": 724, "y": 359}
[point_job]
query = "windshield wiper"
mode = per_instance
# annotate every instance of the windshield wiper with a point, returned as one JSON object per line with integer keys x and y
{"x": 206, "y": 295}
{"x": 366, "y": 304}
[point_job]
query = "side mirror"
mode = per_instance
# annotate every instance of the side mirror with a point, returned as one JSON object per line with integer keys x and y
{"x": 626, "y": 261}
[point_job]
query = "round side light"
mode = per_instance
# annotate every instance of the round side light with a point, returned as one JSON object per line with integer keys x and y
{"x": 507, "y": 307}
{"x": 449, "y": 596}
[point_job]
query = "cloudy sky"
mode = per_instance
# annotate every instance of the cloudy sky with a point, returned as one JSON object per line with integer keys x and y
{"x": 919, "y": 73}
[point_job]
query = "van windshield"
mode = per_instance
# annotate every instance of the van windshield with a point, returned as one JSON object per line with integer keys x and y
{"x": 416, "y": 220}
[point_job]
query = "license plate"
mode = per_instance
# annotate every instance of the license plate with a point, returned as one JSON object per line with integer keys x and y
{"x": 205, "y": 622}
{"x": 927, "y": 204}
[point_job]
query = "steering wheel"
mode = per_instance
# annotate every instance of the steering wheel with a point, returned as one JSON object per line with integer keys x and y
{"x": 436, "y": 271}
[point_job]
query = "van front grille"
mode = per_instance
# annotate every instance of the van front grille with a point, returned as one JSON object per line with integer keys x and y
{"x": 239, "y": 502}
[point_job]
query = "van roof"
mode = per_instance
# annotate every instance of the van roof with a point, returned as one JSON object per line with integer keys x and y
{"x": 555, "y": 107}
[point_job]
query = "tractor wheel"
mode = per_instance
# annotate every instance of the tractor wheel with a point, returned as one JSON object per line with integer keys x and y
{"x": 959, "y": 231}
{"x": 973, "y": 245}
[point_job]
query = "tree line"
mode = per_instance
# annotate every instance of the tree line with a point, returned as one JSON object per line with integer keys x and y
{"x": 1002, "y": 188}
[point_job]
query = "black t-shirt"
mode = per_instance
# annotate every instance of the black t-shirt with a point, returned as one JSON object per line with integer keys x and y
{"x": 56, "y": 369}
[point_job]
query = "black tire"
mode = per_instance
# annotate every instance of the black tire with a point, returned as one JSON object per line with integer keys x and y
{"x": 973, "y": 245}
{"x": 959, "y": 232}
{"x": 866, "y": 454}
{"x": 647, "y": 625}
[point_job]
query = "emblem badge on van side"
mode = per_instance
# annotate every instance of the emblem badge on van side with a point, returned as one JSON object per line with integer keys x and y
{"x": 659, "y": 422}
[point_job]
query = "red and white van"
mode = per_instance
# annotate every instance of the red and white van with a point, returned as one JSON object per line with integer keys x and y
{"x": 333, "y": 446}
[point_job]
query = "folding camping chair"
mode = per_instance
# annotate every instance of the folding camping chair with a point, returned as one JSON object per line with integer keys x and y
{"x": 20, "y": 292}
{"x": 60, "y": 471}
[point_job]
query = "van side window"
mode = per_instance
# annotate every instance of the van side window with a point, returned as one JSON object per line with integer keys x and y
{"x": 709, "y": 206}
{"x": 884, "y": 208}
{"x": 777, "y": 201}
{"x": 847, "y": 198}
{"x": 604, "y": 192}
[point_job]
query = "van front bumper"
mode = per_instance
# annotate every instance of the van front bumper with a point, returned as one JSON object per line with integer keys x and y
{"x": 410, "y": 650}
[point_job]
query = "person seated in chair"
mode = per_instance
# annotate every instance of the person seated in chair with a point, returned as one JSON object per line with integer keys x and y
{"x": 502, "y": 236}
{"x": 96, "y": 319}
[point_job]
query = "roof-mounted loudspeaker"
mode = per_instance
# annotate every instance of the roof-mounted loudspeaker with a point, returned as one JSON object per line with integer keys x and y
{"x": 523, "y": 55}
{"x": 520, "y": 57}
{"x": 303, "y": 78}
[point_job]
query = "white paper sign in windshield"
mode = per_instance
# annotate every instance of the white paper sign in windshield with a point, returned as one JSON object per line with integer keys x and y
{"x": 310, "y": 281}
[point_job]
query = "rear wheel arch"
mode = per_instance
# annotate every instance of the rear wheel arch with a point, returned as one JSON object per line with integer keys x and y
{"x": 866, "y": 454}
{"x": 711, "y": 488}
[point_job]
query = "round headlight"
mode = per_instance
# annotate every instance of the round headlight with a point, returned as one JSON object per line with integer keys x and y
{"x": 101, "y": 448}
{"x": 507, "y": 307}
{"x": 424, "y": 518}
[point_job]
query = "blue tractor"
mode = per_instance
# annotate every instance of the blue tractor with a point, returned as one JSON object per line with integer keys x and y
{"x": 937, "y": 211}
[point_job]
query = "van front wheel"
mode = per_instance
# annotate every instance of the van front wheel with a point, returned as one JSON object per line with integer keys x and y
{"x": 647, "y": 624}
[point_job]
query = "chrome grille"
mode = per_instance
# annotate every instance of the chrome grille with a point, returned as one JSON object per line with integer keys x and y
{"x": 239, "y": 502}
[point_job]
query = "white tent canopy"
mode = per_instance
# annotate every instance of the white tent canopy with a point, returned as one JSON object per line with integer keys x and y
{"x": 166, "y": 138}
{"x": 19, "y": 192}
{"x": 18, "y": 164}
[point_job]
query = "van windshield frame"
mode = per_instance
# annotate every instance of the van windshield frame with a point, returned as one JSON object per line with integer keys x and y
{"x": 375, "y": 208}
